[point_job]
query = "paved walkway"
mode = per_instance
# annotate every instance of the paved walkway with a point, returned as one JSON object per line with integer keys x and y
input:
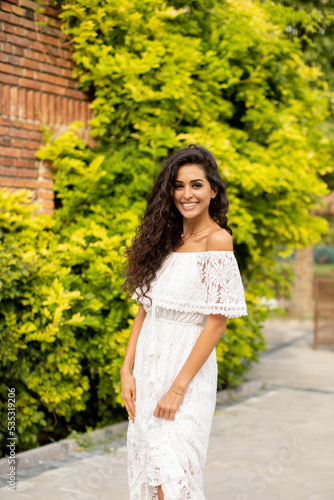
{"x": 275, "y": 444}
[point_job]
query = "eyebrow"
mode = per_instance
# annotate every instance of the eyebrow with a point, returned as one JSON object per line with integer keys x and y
{"x": 192, "y": 180}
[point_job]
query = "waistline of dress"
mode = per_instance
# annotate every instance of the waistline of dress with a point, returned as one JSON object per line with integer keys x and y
{"x": 177, "y": 322}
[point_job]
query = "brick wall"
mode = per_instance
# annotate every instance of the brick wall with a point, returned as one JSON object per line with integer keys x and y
{"x": 36, "y": 89}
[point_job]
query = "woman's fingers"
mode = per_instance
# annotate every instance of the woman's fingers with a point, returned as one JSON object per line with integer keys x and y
{"x": 129, "y": 395}
{"x": 168, "y": 406}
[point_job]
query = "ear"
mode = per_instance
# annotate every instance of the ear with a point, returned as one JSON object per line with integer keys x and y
{"x": 214, "y": 192}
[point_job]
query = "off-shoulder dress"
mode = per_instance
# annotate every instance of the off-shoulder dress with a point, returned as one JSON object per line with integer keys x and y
{"x": 172, "y": 453}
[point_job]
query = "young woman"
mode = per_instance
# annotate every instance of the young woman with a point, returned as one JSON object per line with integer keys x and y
{"x": 183, "y": 273}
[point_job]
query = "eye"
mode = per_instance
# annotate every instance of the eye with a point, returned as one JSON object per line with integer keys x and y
{"x": 178, "y": 186}
{"x": 197, "y": 185}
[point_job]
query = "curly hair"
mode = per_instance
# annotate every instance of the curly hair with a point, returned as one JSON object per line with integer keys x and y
{"x": 160, "y": 228}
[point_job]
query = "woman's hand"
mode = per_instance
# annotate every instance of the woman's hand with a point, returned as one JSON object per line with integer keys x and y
{"x": 168, "y": 405}
{"x": 128, "y": 384}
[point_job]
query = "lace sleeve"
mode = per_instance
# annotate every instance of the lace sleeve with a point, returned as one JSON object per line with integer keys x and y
{"x": 221, "y": 284}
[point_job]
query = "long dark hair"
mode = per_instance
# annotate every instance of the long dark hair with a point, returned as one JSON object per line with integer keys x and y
{"x": 160, "y": 229}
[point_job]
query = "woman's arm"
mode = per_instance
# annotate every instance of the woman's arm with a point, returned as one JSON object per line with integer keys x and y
{"x": 128, "y": 382}
{"x": 214, "y": 328}
{"x": 204, "y": 345}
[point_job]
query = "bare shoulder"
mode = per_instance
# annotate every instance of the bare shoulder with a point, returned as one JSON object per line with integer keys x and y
{"x": 219, "y": 240}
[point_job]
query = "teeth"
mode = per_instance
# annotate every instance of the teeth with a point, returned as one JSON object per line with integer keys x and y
{"x": 189, "y": 204}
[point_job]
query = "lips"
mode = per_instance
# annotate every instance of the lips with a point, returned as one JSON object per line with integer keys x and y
{"x": 189, "y": 206}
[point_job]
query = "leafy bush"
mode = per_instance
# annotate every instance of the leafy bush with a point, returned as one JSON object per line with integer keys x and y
{"x": 39, "y": 355}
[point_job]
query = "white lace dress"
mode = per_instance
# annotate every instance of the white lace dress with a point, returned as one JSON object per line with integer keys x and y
{"x": 187, "y": 288}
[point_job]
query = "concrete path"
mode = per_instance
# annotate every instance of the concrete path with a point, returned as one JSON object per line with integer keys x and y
{"x": 275, "y": 444}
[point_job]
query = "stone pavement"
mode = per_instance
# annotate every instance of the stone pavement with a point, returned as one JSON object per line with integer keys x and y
{"x": 274, "y": 444}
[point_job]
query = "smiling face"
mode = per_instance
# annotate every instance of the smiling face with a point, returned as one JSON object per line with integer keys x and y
{"x": 192, "y": 191}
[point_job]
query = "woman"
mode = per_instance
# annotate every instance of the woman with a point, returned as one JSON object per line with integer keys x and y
{"x": 184, "y": 275}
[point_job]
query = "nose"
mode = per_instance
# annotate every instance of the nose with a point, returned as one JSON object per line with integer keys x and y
{"x": 187, "y": 193}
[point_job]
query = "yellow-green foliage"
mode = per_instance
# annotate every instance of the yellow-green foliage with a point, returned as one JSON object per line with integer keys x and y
{"x": 38, "y": 348}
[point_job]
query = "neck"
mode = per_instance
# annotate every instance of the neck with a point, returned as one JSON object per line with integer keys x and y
{"x": 193, "y": 226}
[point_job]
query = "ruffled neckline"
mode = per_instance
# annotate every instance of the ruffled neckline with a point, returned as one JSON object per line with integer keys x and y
{"x": 206, "y": 251}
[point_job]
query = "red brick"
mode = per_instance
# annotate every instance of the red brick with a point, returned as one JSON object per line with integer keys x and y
{"x": 20, "y": 31}
{"x": 13, "y": 101}
{"x": 45, "y": 184}
{"x": 30, "y": 184}
{"x": 32, "y": 145}
{"x": 22, "y": 104}
{"x": 61, "y": 53}
{"x": 30, "y": 84}
{"x": 70, "y": 111}
{"x": 51, "y": 11}
{"x": 38, "y": 46}
{"x": 24, "y": 172}
{"x": 8, "y": 28}
{"x": 28, "y": 3}
{"x": 4, "y": 151}
{"x": 7, "y": 68}
{"x": 16, "y": 40}
{"x": 6, "y": 47}
{"x": 24, "y": 183}
{"x": 54, "y": 22}
{"x": 30, "y": 104}
{"x": 29, "y": 63}
{"x": 31, "y": 25}
{"x": 52, "y": 108}
{"x": 28, "y": 154}
{"x": 47, "y": 174}
{"x": 52, "y": 89}
{"x": 6, "y": 7}
{"x": 64, "y": 110}
{"x": 32, "y": 35}
{"x": 11, "y": 59}
{"x": 24, "y": 124}
{"x": 5, "y": 121}
{"x": 46, "y": 195}
{"x": 17, "y": 50}
{"x": 37, "y": 105}
{"x": 15, "y": 2}
{"x": 58, "y": 110}
{"x": 77, "y": 110}
{"x": 44, "y": 109}
{"x": 5, "y": 100}
{"x": 18, "y": 11}
{"x": 24, "y": 134}
{"x": 17, "y": 143}
{"x": 8, "y": 172}
{"x": 33, "y": 55}
{"x": 48, "y": 40}
{"x": 6, "y": 182}
{"x": 28, "y": 73}
{"x": 12, "y": 80}
{"x": 4, "y": 130}
{"x": 8, "y": 162}
{"x": 8, "y": 18}
{"x": 49, "y": 30}
{"x": 5, "y": 141}
{"x": 83, "y": 109}
{"x": 17, "y": 162}
{"x": 66, "y": 73}
{"x": 53, "y": 79}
